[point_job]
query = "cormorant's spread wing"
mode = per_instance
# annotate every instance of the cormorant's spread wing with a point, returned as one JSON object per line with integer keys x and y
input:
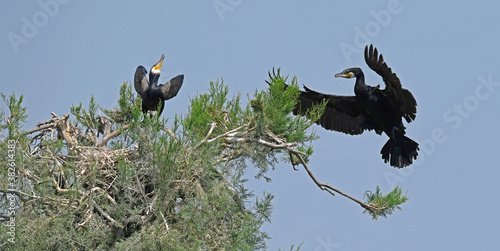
{"x": 404, "y": 99}
{"x": 172, "y": 87}
{"x": 141, "y": 83}
{"x": 342, "y": 113}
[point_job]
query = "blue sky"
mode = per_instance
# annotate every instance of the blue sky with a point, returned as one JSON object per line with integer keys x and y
{"x": 60, "y": 52}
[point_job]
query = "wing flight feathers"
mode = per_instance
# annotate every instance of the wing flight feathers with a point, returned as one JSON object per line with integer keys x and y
{"x": 172, "y": 87}
{"x": 404, "y": 99}
{"x": 342, "y": 113}
{"x": 141, "y": 83}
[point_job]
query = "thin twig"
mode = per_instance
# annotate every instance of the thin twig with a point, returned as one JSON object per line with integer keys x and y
{"x": 105, "y": 194}
{"x": 326, "y": 187}
{"x": 20, "y": 194}
{"x": 87, "y": 218}
{"x": 103, "y": 213}
{"x": 229, "y": 132}
{"x": 165, "y": 222}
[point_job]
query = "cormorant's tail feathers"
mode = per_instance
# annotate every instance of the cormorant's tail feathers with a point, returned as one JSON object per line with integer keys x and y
{"x": 400, "y": 153}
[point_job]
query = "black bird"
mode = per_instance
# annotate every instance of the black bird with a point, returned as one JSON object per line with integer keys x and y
{"x": 371, "y": 108}
{"x": 152, "y": 94}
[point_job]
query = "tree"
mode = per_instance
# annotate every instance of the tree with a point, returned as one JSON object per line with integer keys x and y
{"x": 115, "y": 179}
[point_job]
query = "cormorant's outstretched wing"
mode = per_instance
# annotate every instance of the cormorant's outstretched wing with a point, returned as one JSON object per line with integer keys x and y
{"x": 405, "y": 101}
{"x": 141, "y": 83}
{"x": 172, "y": 87}
{"x": 342, "y": 113}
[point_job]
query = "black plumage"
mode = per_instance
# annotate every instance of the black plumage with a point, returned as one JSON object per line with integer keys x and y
{"x": 152, "y": 94}
{"x": 371, "y": 108}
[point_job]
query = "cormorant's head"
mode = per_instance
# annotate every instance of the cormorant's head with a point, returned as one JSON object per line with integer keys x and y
{"x": 154, "y": 73}
{"x": 156, "y": 68}
{"x": 350, "y": 73}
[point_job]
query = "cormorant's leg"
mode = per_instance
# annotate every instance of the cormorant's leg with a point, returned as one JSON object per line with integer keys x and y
{"x": 393, "y": 134}
{"x": 144, "y": 112}
{"x": 396, "y": 133}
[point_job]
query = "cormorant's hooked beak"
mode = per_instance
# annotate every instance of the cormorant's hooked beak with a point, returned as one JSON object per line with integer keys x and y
{"x": 158, "y": 65}
{"x": 344, "y": 75}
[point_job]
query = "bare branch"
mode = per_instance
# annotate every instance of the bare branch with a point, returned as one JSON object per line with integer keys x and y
{"x": 235, "y": 136}
{"x": 20, "y": 194}
{"x": 113, "y": 221}
{"x": 64, "y": 128}
{"x": 166, "y": 129}
{"x": 43, "y": 127}
{"x": 87, "y": 218}
{"x": 165, "y": 222}
{"x": 230, "y": 132}
{"x": 104, "y": 193}
{"x": 328, "y": 188}
{"x": 114, "y": 134}
{"x": 212, "y": 127}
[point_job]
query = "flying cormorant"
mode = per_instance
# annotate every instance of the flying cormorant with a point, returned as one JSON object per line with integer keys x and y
{"x": 371, "y": 108}
{"x": 152, "y": 94}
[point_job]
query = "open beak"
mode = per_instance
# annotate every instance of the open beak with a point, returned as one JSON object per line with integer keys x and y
{"x": 158, "y": 65}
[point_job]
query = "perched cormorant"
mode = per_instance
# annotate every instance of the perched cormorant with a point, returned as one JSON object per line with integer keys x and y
{"x": 151, "y": 93}
{"x": 371, "y": 108}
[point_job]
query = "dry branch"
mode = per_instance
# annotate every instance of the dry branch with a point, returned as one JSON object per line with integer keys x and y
{"x": 238, "y": 136}
{"x": 111, "y": 135}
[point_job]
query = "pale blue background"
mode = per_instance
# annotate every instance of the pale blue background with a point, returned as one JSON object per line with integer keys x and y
{"x": 439, "y": 49}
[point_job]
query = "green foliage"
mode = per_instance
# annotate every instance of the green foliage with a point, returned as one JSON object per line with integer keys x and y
{"x": 147, "y": 188}
{"x": 271, "y": 111}
{"x": 384, "y": 204}
{"x": 291, "y": 248}
{"x": 213, "y": 106}
{"x": 129, "y": 107}
{"x": 123, "y": 180}
{"x": 58, "y": 233}
{"x": 275, "y": 106}
{"x": 17, "y": 115}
